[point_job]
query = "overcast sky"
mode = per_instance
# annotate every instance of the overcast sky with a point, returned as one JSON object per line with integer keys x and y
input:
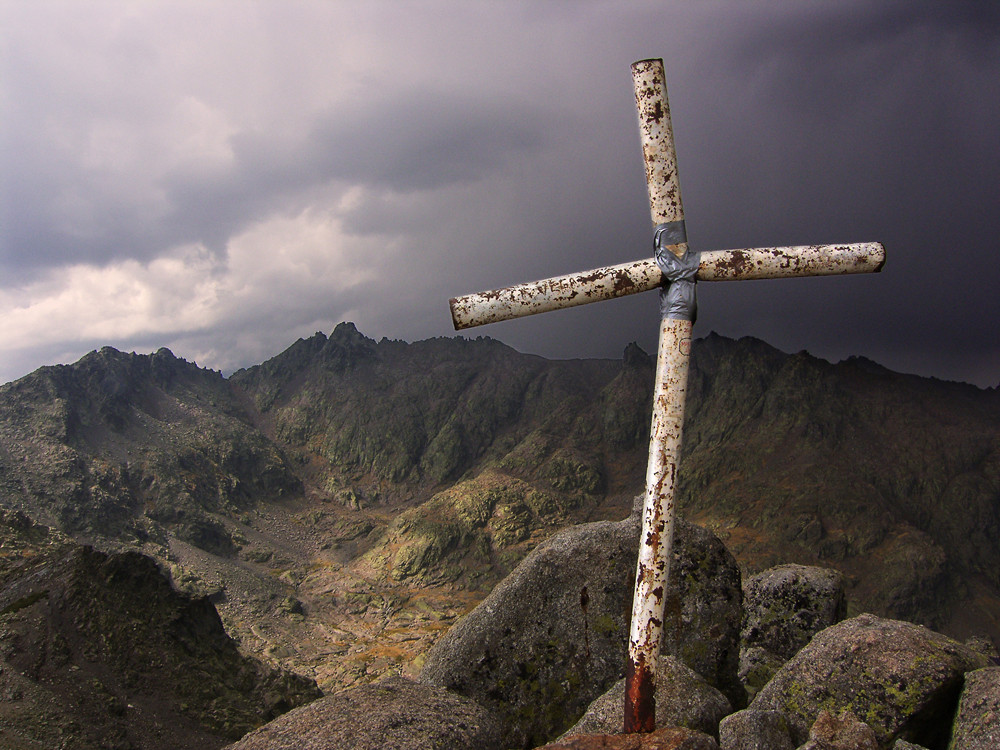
{"x": 221, "y": 178}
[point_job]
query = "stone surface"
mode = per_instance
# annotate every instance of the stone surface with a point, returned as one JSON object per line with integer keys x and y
{"x": 755, "y": 730}
{"x": 844, "y": 732}
{"x": 904, "y": 745}
{"x": 985, "y": 646}
{"x": 789, "y": 457}
{"x": 903, "y": 680}
{"x": 683, "y": 699}
{"x": 757, "y": 667}
{"x": 783, "y": 608}
{"x": 668, "y": 738}
{"x": 551, "y": 637}
{"x": 977, "y": 723}
{"x": 395, "y": 714}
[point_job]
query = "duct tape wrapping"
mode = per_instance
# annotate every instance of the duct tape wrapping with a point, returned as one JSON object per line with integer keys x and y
{"x": 677, "y": 299}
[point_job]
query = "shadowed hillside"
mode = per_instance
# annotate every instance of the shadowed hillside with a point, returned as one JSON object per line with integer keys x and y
{"x": 98, "y": 651}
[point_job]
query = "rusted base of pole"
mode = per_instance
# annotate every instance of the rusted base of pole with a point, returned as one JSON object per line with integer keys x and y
{"x": 656, "y": 537}
{"x": 640, "y": 701}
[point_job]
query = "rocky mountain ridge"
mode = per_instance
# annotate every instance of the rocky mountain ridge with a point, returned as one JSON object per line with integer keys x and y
{"x": 345, "y": 501}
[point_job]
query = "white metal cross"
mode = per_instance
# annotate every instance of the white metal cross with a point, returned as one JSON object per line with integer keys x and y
{"x": 674, "y": 269}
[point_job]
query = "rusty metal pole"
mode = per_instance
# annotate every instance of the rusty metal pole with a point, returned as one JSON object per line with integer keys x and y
{"x": 672, "y": 362}
{"x": 609, "y": 282}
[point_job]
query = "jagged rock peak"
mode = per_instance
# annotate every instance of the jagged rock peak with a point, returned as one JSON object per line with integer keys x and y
{"x": 347, "y": 346}
{"x": 707, "y": 352}
{"x": 160, "y": 363}
{"x": 344, "y": 347}
{"x": 635, "y": 356}
{"x": 109, "y": 374}
{"x": 347, "y": 331}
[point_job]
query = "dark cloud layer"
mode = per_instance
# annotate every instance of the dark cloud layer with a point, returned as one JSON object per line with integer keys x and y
{"x": 221, "y": 178}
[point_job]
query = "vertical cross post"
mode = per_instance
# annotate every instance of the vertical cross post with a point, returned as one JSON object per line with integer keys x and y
{"x": 672, "y": 359}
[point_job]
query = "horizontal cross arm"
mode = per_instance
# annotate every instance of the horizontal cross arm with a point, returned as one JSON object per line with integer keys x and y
{"x": 534, "y": 297}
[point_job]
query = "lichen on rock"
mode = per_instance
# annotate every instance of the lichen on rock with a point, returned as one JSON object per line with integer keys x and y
{"x": 901, "y": 679}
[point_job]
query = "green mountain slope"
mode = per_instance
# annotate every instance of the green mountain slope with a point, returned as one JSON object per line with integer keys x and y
{"x": 894, "y": 479}
{"x": 121, "y": 445}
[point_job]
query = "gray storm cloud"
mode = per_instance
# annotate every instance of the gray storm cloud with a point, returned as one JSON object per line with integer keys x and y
{"x": 222, "y": 178}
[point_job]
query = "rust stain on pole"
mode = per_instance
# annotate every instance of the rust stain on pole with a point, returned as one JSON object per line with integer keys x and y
{"x": 781, "y": 262}
{"x": 553, "y": 294}
{"x": 640, "y": 701}
{"x": 653, "y": 564}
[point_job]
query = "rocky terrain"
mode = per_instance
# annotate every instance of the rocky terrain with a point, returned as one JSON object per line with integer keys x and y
{"x": 540, "y": 659}
{"x": 343, "y": 503}
{"x": 99, "y": 651}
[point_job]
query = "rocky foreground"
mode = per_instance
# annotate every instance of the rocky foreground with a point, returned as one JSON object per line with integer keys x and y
{"x": 768, "y": 664}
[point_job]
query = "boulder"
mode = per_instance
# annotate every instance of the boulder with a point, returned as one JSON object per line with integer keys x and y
{"x": 783, "y": 608}
{"x": 683, "y": 699}
{"x": 668, "y": 738}
{"x": 755, "y": 730}
{"x": 977, "y": 723}
{"x": 395, "y": 714}
{"x": 844, "y": 732}
{"x": 552, "y": 636}
{"x": 902, "y": 679}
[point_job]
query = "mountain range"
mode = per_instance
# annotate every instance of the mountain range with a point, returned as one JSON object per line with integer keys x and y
{"x": 344, "y": 502}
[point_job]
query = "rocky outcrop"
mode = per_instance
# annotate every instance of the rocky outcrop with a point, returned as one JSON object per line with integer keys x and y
{"x": 347, "y": 500}
{"x": 901, "y": 679}
{"x": 789, "y": 457}
{"x": 977, "y": 723}
{"x": 864, "y": 684}
{"x": 551, "y": 637}
{"x": 129, "y": 448}
{"x": 395, "y": 714}
{"x": 783, "y": 608}
{"x": 683, "y": 699}
{"x": 98, "y": 651}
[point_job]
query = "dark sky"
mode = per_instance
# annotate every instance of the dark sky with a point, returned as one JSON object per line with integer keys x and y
{"x": 221, "y": 178}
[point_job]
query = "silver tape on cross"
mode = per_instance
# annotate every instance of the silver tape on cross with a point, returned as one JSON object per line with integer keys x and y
{"x": 678, "y": 299}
